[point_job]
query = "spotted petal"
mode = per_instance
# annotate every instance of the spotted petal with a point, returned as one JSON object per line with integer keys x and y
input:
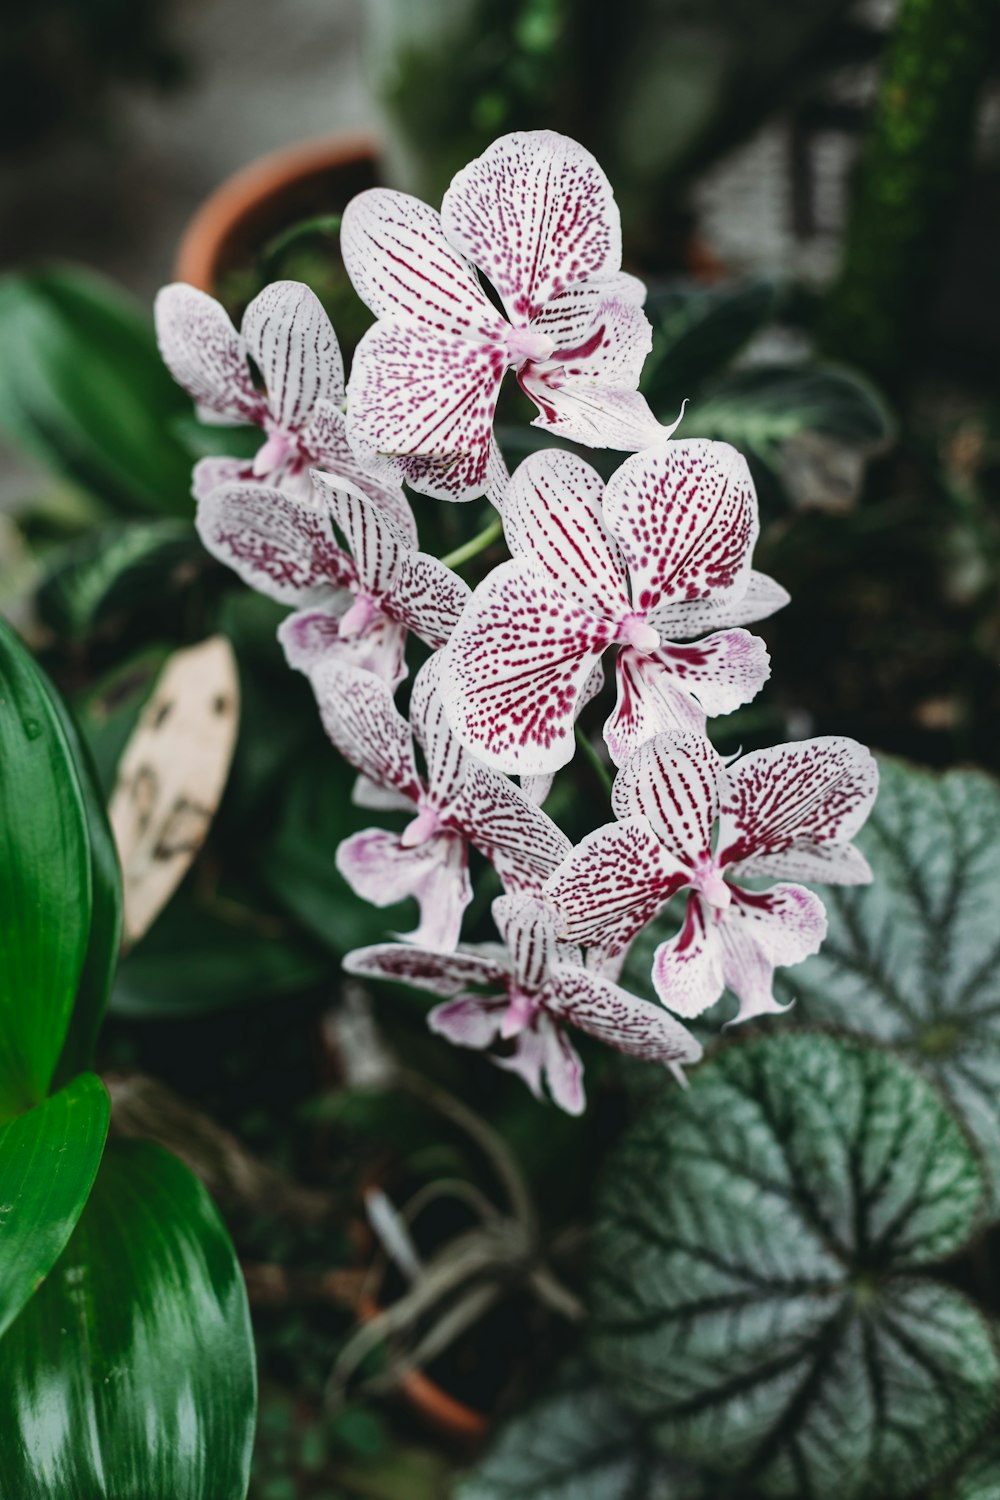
{"x": 325, "y": 439}
{"x": 607, "y": 1012}
{"x": 528, "y": 927}
{"x": 291, "y": 340}
{"x": 426, "y": 401}
{"x": 446, "y": 760}
{"x": 675, "y": 785}
{"x": 649, "y": 701}
{"x": 759, "y": 932}
{"x": 439, "y": 973}
{"x": 515, "y": 668}
{"x": 553, "y": 516}
{"x": 380, "y": 869}
{"x": 685, "y": 515}
{"x": 204, "y": 354}
{"x": 582, "y": 410}
{"x": 814, "y": 792}
{"x": 689, "y": 970}
{"x": 281, "y": 546}
{"x": 576, "y": 323}
{"x": 520, "y": 841}
{"x": 402, "y": 266}
{"x": 428, "y": 597}
{"x": 612, "y": 884}
{"x": 361, "y": 719}
{"x": 535, "y": 213}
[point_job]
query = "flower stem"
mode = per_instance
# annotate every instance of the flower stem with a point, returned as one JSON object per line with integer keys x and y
{"x": 597, "y": 765}
{"x": 469, "y": 550}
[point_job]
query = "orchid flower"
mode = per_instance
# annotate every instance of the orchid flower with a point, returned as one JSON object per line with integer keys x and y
{"x": 458, "y": 803}
{"x": 529, "y": 992}
{"x": 290, "y": 339}
{"x": 788, "y": 810}
{"x": 663, "y": 557}
{"x": 536, "y": 216}
{"x": 358, "y": 604}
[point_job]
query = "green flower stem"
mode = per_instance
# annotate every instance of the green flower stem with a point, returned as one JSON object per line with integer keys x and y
{"x": 469, "y": 550}
{"x": 913, "y": 161}
{"x": 597, "y": 765}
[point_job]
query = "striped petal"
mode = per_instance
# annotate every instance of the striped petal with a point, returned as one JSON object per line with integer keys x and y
{"x": 402, "y": 266}
{"x": 605, "y": 1011}
{"x": 204, "y": 354}
{"x": 552, "y": 515}
{"x": 373, "y": 540}
{"x": 425, "y": 400}
{"x": 290, "y": 338}
{"x": 310, "y": 636}
{"x": 528, "y": 927}
{"x": 612, "y": 884}
{"x": 535, "y": 213}
{"x": 365, "y": 725}
{"x": 575, "y": 321}
{"x": 438, "y": 973}
{"x": 649, "y": 701}
{"x": 281, "y": 546}
{"x": 445, "y": 758}
{"x": 685, "y": 515}
{"x": 762, "y": 931}
{"x": 689, "y": 970}
{"x": 812, "y": 793}
{"x": 427, "y": 597}
{"x": 763, "y": 597}
{"x": 521, "y": 842}
{"x": 378, "y": 867}
{"x": 581, "y": 410}
{"x": 675, "y": 785}
{"x": 515, "y": 668}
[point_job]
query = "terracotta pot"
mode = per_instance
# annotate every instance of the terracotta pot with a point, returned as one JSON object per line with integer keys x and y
{"x": 444, "y": 1413}
{"x": 262, "y": 199}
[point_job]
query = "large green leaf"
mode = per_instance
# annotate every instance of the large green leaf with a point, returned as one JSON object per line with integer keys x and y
{"x": 83, "y": 388}
{"x": 808, "y": 429}
{"x": 45, "y": 880}
{"x": 755, "y": 1290}
{"x": 131, "y": 565}
{"x": 48, "y": 1161}
{"x": 130, "y": 1373}
{"x": 980, "y": 1479}
{"x": 914, "y": 958}
{"x": 576, "y": 1443}
{"x": 697, "y": 330}
{"x": 104, "y": 940}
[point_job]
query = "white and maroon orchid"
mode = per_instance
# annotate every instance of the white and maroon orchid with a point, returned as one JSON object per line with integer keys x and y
{"x": 356, "y": 603}
{"x": 300, "y": 408}
{"x": 536, "y": 216}
{"x": 457, "y": 803}
{"x": 789, "y": 810}
{"x": 528, "y": 993}
{"x": 664, "y": 556}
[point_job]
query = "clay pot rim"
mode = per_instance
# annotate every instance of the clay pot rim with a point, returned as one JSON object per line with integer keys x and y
{"x": 444, "y": 1412}
{"x": 229, "y": 205}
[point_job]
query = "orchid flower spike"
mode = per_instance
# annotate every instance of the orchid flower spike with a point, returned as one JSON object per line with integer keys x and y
{"x": 355, "y": 604}
{"x": 290, "y": 339}
{"x": 663, "y": 557}
{"x": 528, "y": 994}
{"x": 534, "y": 215}
{"x": 789, "y": 810}
{"x": 457, "y": 803}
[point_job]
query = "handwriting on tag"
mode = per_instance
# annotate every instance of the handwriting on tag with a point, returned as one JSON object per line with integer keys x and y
{"x": 171, "y": 777}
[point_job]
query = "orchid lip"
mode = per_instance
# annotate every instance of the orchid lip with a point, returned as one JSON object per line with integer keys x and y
{"x": 634, "y": 630}
{"x": 358, "y": 618}
{"x": 520, "y": 1013}
{"x": 423, "y": 827}
{"x": 272, "y": 454}
{"x": 527, "y": 344}
{"x": 712, "y": 886}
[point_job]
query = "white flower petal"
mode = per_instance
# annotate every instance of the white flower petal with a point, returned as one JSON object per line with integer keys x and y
{"x": 675, "y": 784}
{"x": 605, "y": 1011}
{"x": 377, "y": 866}
{"x": 291, "y": 340}
{"x": 365, "y": 725}
{"x": 204, "y": 353}
{"x": 279, "y": 545}
{"x": 612, "y": 884}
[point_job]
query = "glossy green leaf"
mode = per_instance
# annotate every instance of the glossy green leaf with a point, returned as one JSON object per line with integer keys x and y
{"x": 576, "y": 1443}
{"x": 48, "y": 1161}
{"x": 198, "y": 958}
{"x": 104, "y": 939}
{"x": 45, "y": 880}
{"x": 697, "y": 330}
{"x": 914, "y": 958}
{"x": 808, "y": 430}
{"x": 132, "y": 565}
{"x": 756, "y": 1293}
{"x": 980, "y": 1478}
{"x": 130, "y": 1374}
{"x": 83, "y": 388}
